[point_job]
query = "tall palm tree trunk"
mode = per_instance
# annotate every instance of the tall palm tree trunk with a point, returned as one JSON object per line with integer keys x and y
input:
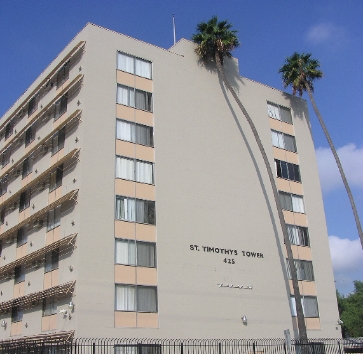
{"x": 337, "y": 160}
{"x": 295, "y": 284}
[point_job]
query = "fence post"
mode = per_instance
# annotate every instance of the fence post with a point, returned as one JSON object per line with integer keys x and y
{"x": 93, "y": 348}
{"x": 254, "y": 347}
{"x": 220, "y": 347}
{"x": 287, "y": 341}
{"x": 181, "y": 348}
{"x": 340, "y": 350}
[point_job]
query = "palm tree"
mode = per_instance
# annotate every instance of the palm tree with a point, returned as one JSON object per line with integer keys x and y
{"x": 215, "y": 41}
{"x": 300, "y": 71}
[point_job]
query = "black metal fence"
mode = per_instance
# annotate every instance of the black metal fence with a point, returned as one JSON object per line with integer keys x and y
{"x": 181, "y": 346}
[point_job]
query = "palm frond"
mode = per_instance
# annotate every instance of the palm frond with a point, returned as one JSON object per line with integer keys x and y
{"x": 214, "y": 36}
{"x": 299, "y": 69}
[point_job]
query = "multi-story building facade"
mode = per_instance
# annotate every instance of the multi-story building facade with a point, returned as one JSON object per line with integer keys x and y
{"x": 135, "y": 202}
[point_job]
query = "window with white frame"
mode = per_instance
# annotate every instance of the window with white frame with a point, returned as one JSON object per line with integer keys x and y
{"x": 132, "y": 65}
{"x": 27, "y": 167}
{"x": 135, "y": 98}
{"x": 49, "y": 306}
{"x": 54, "y": 218}
{"x": 135, "y": 253}
{"x": 304, "y": 269}
{"x": 58, "y": 140}
{"x": 51, "y": 261}
{"x": 287, "y": 170}
{"x": 309, "y": 305}
{"x": 292, "y": 202}
{"x": 279, "y": 112}
{"x": 24, "y": 200}
{"x": 134, "y": 170}
{"x": 136, "y": 210}
{"x": 56, "y": 178}
{"x": 21, "y": 237}
{"x": 19, "y": 274}
{"x": 298, "y": 235}
{"x": 134, "y": 133}
{"x": 136, "y": 298}
{"x": 60, "y": 106}
{"x": 283, "y": 141}
{"x": 16, "y": 314}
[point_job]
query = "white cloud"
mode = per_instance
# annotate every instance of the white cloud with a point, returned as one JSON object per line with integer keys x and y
{"x": 346, "y": 255}
{"x": 347, "y": 259}
{"x": 325, "y": 32}
{"x": 351, "y": 158}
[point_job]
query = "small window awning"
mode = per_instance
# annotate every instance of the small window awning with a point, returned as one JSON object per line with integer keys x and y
{"x": 69, "y": 240}
{"x": 74, "y": 153}
{"x": 41, "y": 113}
{"x": 29, "y": 300}
{"x": 43, "y": 83}
{"x": 48, "y": 338}
{"x": 38, "y": 215}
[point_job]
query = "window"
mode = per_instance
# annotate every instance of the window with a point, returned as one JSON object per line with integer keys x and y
{"x": 33, "y": 105}
{"x": 130, "y": 209}
{"x": 298, "y": 235}
{"x": 8, "y": 130}
{"x": 16, "y": 314}
{"x": 2, "y": 216}
{"x": 54, "y": 217}
{"x": 29, "y": 135}
{"x": 283, "y": 141}
{"x": 292, "y": 202}
{"x": 304, "y": 269}
{"x": 309, "y": 304}
{"x": 56, "y": 177}
{"x": 137, "y": 348}
{"x": 49, "y": 306}
{"x": 61, "y": 106}
{"x": 135, "y": 133}
{"x": 143, "y": 100}
{"x": 134, "y": 65}
{"x": 131, "y": 252}
{"x": 288, "y": 170}
{"x": 5, "y": 158}
{"x": 24, "y": 200}
{"x": 131, "y": 97}
{"x": 27, "y": 167}
{"x": 134, "y": 170}
{"x": 51, "y": 261}
{"x": 136, "y": 298}
{"x": 19, "y": 274}
{"x": 58, "y": 140}
{"x": 21, "y": 237}
{"x": 63, "y": 74}
{"x": 279, "y": 112}
{"x": 3, "y": 186}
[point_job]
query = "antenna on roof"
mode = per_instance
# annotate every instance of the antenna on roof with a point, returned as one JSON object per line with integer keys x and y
{"x": 174, "y": 28}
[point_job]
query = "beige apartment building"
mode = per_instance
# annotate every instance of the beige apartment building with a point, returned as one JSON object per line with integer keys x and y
{"x": 135, "y": 202}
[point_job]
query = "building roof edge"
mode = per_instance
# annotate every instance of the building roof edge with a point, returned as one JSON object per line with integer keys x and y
{"x": 273, "y": 88}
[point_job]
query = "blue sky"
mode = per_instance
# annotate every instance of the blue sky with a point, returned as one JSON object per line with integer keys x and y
{"x": 33, "y": 32}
